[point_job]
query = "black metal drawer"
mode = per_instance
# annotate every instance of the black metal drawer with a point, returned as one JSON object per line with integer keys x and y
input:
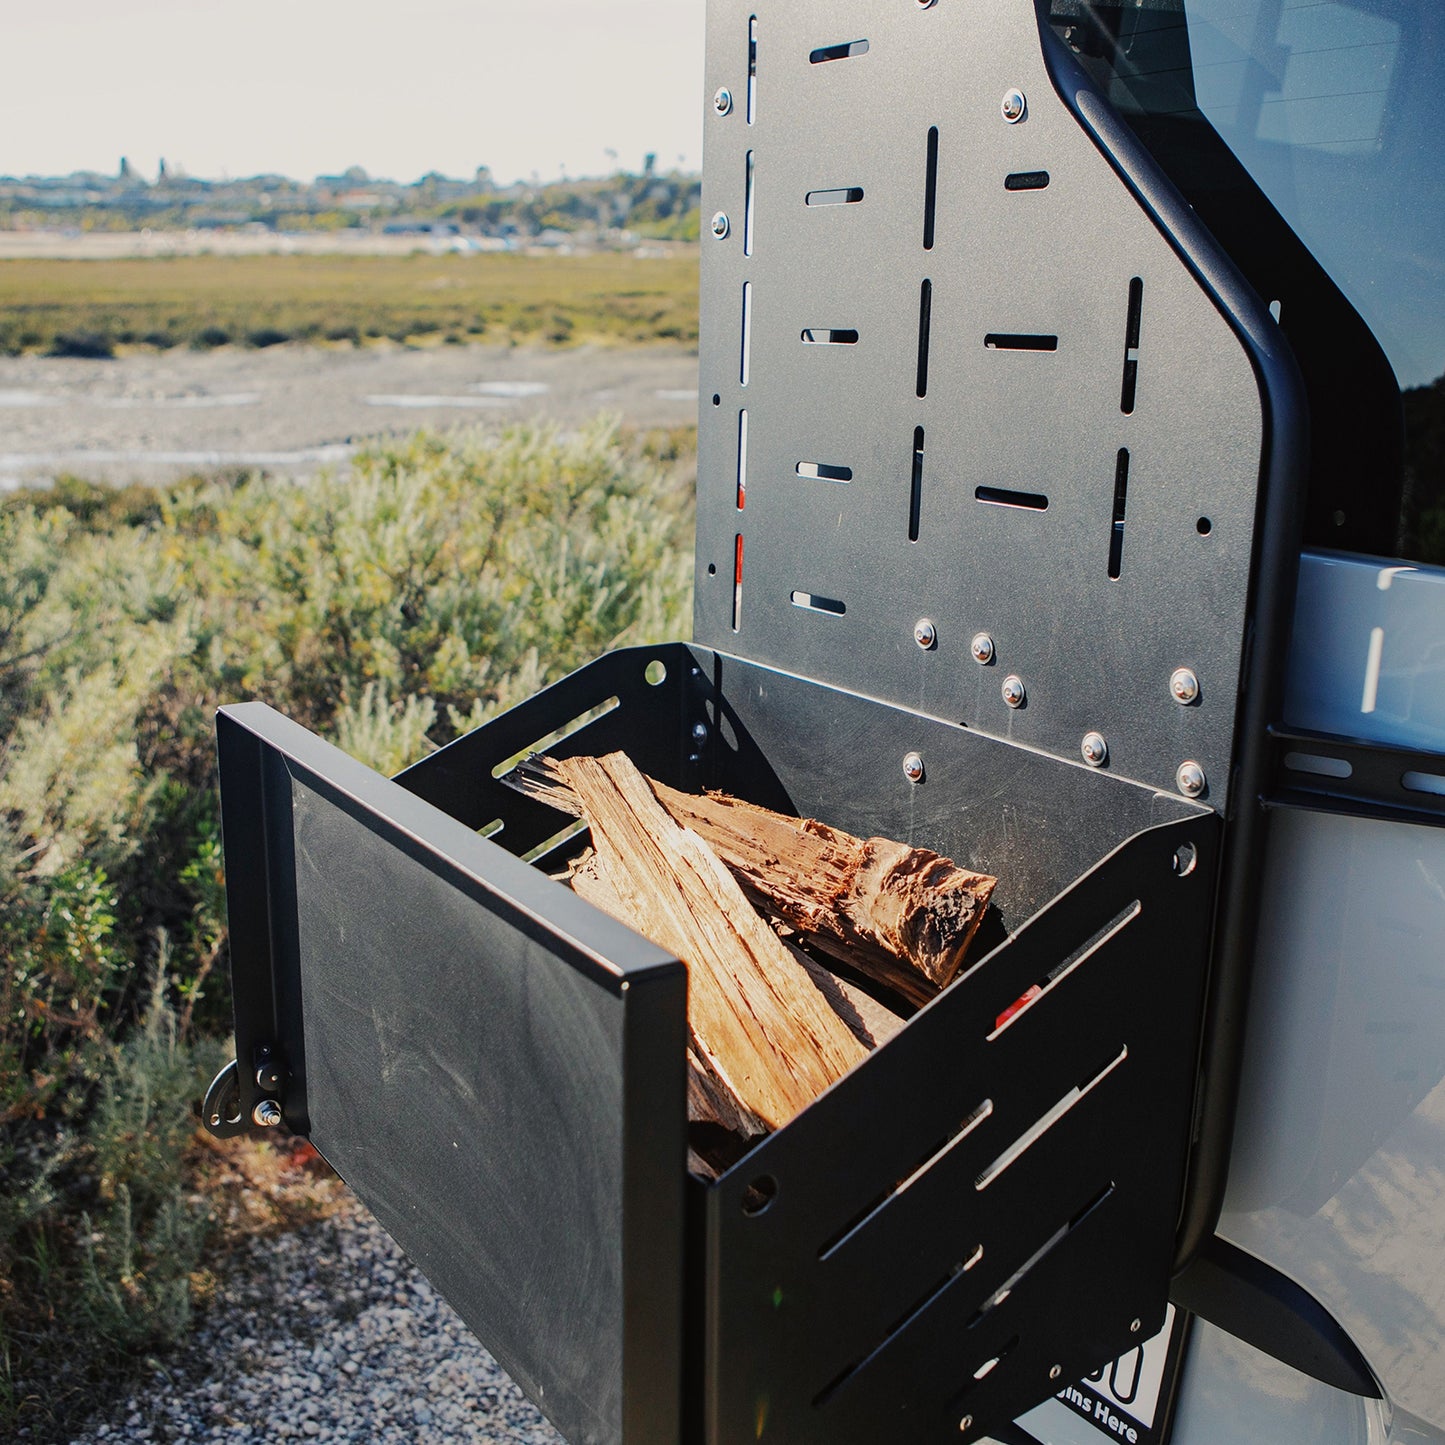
{"x": 974, "y": 1213}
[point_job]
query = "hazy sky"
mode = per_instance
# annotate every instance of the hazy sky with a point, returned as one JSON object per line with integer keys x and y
{"x": 305, "y": 87}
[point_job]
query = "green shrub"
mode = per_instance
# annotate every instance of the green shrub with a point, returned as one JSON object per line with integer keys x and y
{"x": 443, "y": 580}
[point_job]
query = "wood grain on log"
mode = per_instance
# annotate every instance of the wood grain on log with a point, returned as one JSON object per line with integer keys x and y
{"x": 900, "y": 915}
{"x": 757, "y": 1017}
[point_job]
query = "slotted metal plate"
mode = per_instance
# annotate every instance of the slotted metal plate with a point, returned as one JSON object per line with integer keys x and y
{"x": 953, "y": 370}
{"x": 994, "y": 1193}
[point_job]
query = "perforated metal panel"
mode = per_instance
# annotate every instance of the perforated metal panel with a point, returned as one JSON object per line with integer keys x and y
{"x": 953, "y": 370}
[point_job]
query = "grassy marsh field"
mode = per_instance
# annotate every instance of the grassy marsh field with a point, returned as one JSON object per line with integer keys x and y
{"x": 94, "y": 308}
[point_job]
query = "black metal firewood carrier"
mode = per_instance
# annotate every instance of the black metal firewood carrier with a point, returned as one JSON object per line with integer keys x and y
{"x": 998, "y": 461}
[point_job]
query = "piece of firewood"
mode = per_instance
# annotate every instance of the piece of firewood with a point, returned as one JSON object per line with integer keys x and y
{"x": 900, "y": 915}
{"x": 871, "y": 1023}
{"x": 709, "y": 1099}
{"x": 757, "y": 1017}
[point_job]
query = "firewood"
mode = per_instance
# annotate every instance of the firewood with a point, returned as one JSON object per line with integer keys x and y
{"x": 872, "y": 1024}
{"x": 756, "y": 1015}
{"x": 902, "y": 916}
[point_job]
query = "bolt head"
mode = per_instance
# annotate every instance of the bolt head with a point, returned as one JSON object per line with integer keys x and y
{"x": 913, "y": 768}
{"x": 1095, "y": 750}
{"x": 1055, "y": 1372}
{"x": 721, "y": 226}
{"x": 1013, "y": 691}
{"x": 925, "y": 634}
{"x": 1136, "y": 1327}
{"x": 1191, "y": 780}
{"x": 722, "y": 102}
{"x": 699, "y": 732}
{"x": 1184, "y": 686}
{"x": 267, "y": 1113}
{"x": 966, "y": 1423}
{"x": 1015, "y": 107}
{"x": 982, "y": 649}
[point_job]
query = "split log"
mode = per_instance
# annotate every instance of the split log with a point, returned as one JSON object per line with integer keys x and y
{"x": 759, "y": 1021}
{"x": 902, "y": 916}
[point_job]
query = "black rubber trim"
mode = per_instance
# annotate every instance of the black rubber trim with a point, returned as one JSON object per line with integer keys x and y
{"x": 1256, "y": 1303}
{"x": 1285, "y": 470}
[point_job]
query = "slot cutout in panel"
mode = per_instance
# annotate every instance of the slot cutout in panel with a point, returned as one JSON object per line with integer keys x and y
{"x": 1020, "y": 501}
{"x": 738, "y": 583}
{"x": 1320, "y": 767}
{"x": 1021, "y": 1005}
{"x": 557, "y": 842}
{"x": 1431, "y": 784}
{"x": 1019, "y": 341}
{"x": 747, "y": 364}
{"x": 557, "y": 735}
{"x": 930, "y": 191}
{"x": 925, "y": 335}
{"x": 1131, "y": 346}
{"x": 1121, "y": 503}
{"x": 809, "y": 602}
{"x": 829, "y": 336}
{"x": 749, "y": 197}
{"x": 944, "y": 1146}
{"x": 824, "y": 472}
{"x": 742, "y": 460}
{"x": 848, "y": 50}
{"x": 831, "y": 1389}
{"x": 752, "y": 69}
{"x": 1040, "y": 1127}
{"x": 915, "y": 505}
{"x": 842, "y": 196}
{"x": 1026, "y": 181}
{"x": 1038, "y": 1257}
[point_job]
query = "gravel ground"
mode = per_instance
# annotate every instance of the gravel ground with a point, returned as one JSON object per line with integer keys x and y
{"x": 293, "y": 409}
{"x": 327, "y": 1334}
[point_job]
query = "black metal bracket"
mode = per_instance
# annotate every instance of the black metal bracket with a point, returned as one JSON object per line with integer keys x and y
{"x": 1255, "y": 1302}
{"x": 1328, "y": 773}
{"x": 225, "y": 1114}
{"x": 222, "y": 1112}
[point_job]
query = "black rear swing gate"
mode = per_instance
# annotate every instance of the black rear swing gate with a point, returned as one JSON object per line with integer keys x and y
{"x": 997, "y": 466}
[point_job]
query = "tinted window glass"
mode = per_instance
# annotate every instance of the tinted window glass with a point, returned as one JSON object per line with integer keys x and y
{"x": 1307, "y": 134}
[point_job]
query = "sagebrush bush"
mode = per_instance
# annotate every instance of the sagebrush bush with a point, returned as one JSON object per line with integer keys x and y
{"x": 442, "y": 580}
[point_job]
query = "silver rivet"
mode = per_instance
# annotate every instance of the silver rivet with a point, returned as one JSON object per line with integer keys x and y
{"x": 913, "y": 768}
{"x": 966, "y": 1423}
{"x": 1013, "y": 691}
{"x": 721, "y": 226}
{"x": 1055, "y": 1372}
{"x": 1191, "y": 779}
{"x": 982, "y": 649}
{"x": 1136, "y": 1327}
{"x": 215, "y": 1121}
{"x": 722, "y": 102}
{"x": 699, "y": 732}
{"x": 1184, "y": 686}
{"x": 1095, "y": 750}
{"x": 925, "y": 634}
{"x": 1015, "y": 107}
{"x": 267, "y": 1113}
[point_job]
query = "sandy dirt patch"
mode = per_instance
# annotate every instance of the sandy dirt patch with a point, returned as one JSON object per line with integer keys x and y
{"x": 294, "y": 408}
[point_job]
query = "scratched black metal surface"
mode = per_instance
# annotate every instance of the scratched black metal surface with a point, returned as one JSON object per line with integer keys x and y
{"x": 494, "y": 1067}
{"x": 845, "y": 95}
{"x": 504, "y": 1108}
